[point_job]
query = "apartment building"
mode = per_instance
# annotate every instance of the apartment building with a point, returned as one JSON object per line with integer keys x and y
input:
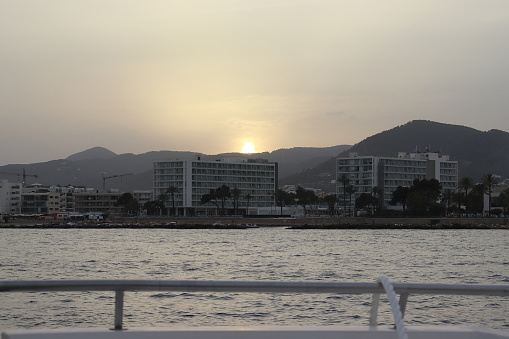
{"x": 257, "y": 180}
{"x": 385, "y": 173}
{"x": 95, "y": 201}
{"x": 143, "y": 196}
{"x": 10, "y": 197}
{"x": 41, "y": 201}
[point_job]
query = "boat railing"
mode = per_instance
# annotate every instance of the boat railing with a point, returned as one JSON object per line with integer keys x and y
{"x": 384, "y": 285}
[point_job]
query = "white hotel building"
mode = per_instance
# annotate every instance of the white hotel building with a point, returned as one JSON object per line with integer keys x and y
{"x": 367, "y": 172}
{"x": 194, "y": 178}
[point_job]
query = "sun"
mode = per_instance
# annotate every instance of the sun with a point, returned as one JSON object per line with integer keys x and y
{"x": 248, "y": 148}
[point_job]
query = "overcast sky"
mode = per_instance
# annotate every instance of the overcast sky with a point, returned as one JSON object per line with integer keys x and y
{"x": 209, "y": 75}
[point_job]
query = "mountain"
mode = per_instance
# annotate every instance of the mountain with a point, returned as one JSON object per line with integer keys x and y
{"x": 92, "y": 153}
{"x": 99, "y": 166}
{"x": 477, "y": 152}
{"x": 293, "y": 160}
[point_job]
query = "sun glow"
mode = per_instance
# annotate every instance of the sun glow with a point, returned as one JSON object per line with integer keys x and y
{"x": 248, "y": 148}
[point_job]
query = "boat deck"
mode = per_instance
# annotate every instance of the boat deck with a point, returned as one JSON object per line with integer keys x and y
{"x": 383, "y": 285}
{"x": 279, "y": 332}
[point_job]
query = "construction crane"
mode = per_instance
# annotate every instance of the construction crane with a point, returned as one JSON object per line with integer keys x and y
{"x": 112, "y": 176}
{"x": 23, "y": 174}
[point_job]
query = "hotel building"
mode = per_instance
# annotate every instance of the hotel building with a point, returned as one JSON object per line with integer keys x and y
{"x": 255, "y": 178}
{"x": 368, "y": 172}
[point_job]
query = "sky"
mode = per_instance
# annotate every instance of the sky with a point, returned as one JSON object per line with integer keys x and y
{"x": 210, "y": 76}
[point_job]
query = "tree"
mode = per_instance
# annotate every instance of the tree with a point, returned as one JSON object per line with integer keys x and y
{"x": 447, "y": 198}
{"x": 129, "y": 203}
{"x": 153, "y": 207}
{"x": 345, "y": 181}
{"x": 350, "y": 189}
{"x": 457, "y": 202}
{"x": 489, "y": 181}
{"x": 465, "y": 184}
{"x": 305, "y": 197}
{"x": 248, "y": 198}
{"x": 223, "y": 193}
{"x": 378, "y": 193}
{"x": 279, "y": 196}
{"x": 171, "y": 191}
{"x": 366, "y": 201}
{"x": 476, "y": 198}
{"x": 162, "y": 200}
{"x": 503, "y": 199}
{"x": 236, "y": 193}
{"x": 210, "y": 197}
{"x": 283, "y": 198}
{"x": 422, "y": 195}
{"x": 331, "y": 200}
{"x": 399, "y": 196}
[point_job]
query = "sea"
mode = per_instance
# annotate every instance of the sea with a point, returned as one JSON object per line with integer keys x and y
{"x": 266, "y": 253}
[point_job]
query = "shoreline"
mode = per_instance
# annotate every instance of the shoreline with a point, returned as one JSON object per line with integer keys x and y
{"x": 239, "y": 222}
{"x": 289, "y": 223}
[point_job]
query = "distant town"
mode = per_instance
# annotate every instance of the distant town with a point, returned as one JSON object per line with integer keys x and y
{"x": 408, "y": 184}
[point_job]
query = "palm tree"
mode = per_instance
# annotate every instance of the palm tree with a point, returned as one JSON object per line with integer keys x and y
{"x": 248, "y": 198}
{"x": 210, "y": 197}
{"x": 222, "y": 194}
{"x": 489, "y": 181}
{"x": 466, "y": 183}
{"x": 171, "y": 191}
{"x": 281, "y": 196}
{"x": 331, "y": 200}
{"x": 350, "y": 189}
{"x": 345, "y": 180}
{"x": 447, "y": 198}
{"x": 236, "y": 193}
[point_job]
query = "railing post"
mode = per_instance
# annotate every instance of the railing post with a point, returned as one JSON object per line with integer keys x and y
{"x": 375, "y": 301}
{"x": 119, "y": 309}
{"x": 403, "y": 298}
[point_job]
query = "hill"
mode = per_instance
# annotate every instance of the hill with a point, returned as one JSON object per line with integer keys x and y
{"x": 477, "y": 152}
{"x": 87, "y": 168}
{"x": 92, "y": 153}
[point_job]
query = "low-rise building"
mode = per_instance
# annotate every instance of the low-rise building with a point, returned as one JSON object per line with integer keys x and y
{"x": 143, "y": 196}
{"x": 66, "y": 194}
{"x": 41, "y": 201}
{"x": 95, "y": 201}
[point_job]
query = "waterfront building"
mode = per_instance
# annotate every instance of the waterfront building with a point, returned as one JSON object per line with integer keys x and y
{"x": 10, "y": 197}
{"x": 95, "y": 201}
{"x": 66, "y": 196}
{"x": 256, "y": 179}
{"x": 143, "y": 196}
{"x": 40, "y": 201}
{"x": 365, "y": 173}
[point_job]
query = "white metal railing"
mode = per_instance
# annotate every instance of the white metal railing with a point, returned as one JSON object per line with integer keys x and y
{"x": 382, "y": 286}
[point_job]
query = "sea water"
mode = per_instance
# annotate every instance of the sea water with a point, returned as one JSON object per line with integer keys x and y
{"x": 276, "y": 254}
